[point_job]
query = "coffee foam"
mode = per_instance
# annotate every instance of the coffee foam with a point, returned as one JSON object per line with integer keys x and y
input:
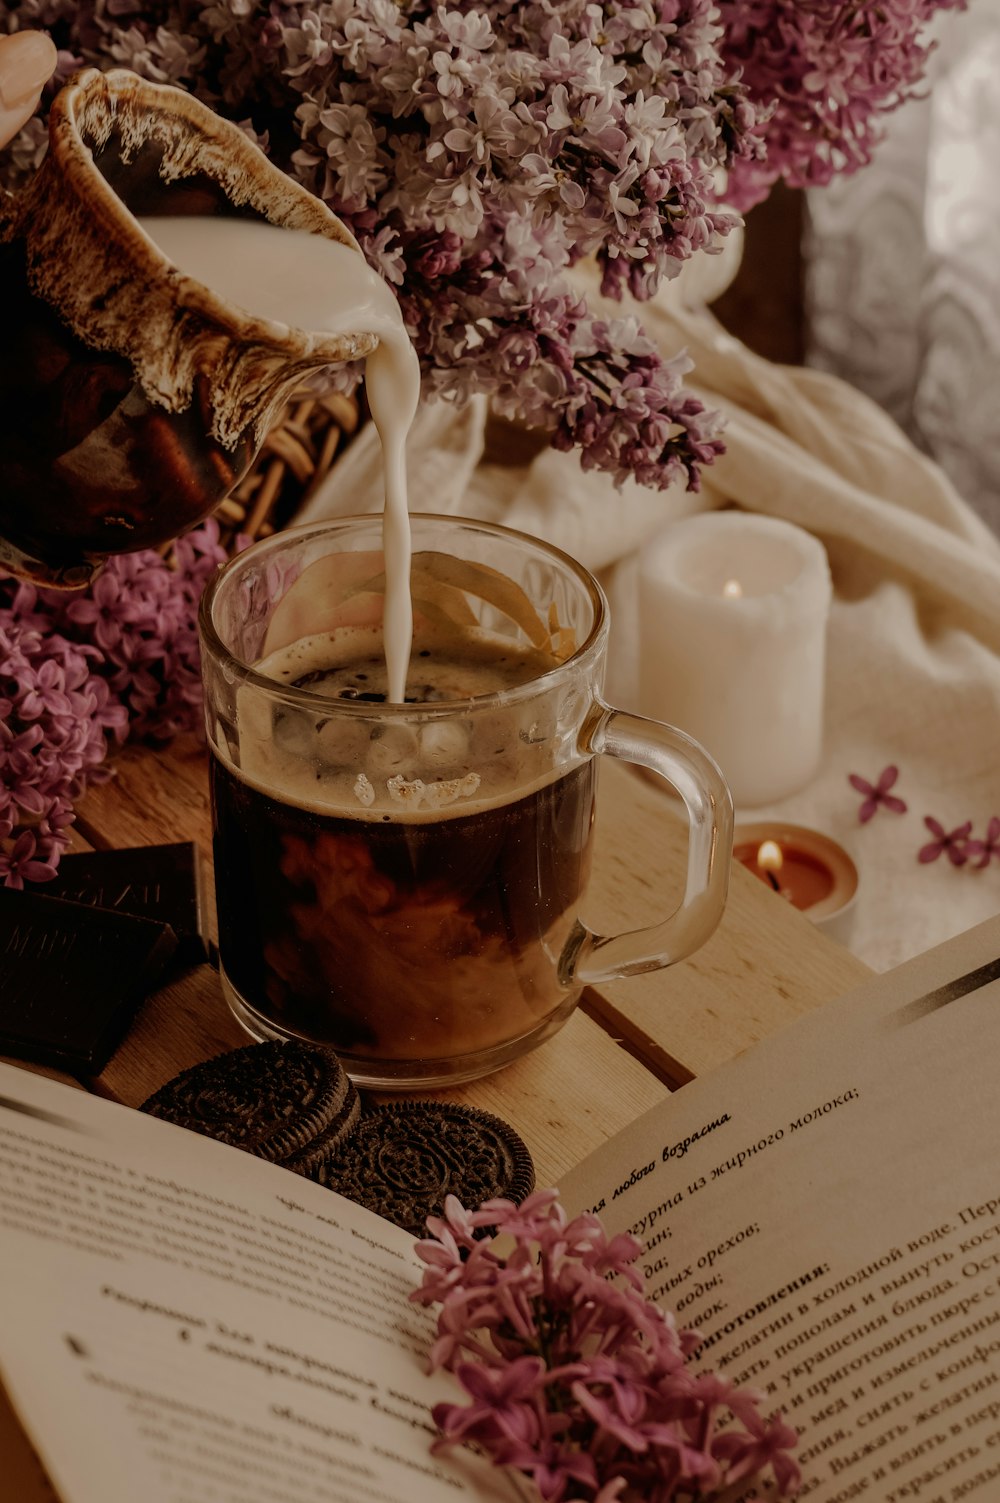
{"x": 373, "y": 767}
{"x": 448, "y": 665}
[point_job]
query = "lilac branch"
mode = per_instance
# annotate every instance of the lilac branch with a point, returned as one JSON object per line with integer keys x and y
{"x": 822, "y": 77}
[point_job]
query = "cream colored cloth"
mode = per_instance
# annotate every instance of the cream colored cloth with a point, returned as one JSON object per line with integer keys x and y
{"x": 913, "y": 672}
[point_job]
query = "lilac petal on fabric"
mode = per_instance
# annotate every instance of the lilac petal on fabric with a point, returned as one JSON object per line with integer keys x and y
{"x": 986, "y": 848}
{"x": 877, "y": 793}
{"x": 957, "y": 854}
{"x": 952, "y": 842}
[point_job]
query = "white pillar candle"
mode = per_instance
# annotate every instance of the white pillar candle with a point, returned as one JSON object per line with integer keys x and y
{"x": 732, "y": 613}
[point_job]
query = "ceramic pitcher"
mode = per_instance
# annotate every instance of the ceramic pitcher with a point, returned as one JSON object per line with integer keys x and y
{"x": 132, "y": 398}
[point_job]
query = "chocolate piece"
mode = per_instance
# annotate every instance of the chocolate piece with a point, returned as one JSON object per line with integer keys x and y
{"x": 402, "y": 1160}
{"x": 161, "y": 882}
{"x": 278, "y": 1101}
{"x": 72, "y": 977}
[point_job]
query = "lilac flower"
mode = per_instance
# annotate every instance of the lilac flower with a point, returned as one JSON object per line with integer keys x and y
{"x": 619, "y": 1412}
{"x": 570, "y": 1375}
{"x": 539, "y": 1215}
{"x": 141, "y": 613}
{"x": 986, "y": 848}
{"x": 877, "y": 793}
{"x": 26, "y": 859}
{"x": 553, "y": 1466}
{"x": 98, "y": 610}
{"x": 501, "y": 1408}
{"x": 47, "y": 694}
{"x": 612, "y": 1491}
{"x": 821, "y": 76}
{"x": 45, "y": 738}
{"x": 953, "y": 842}
{"x": 767, "y": 1444}
{"x": 79, "y": 673}
{"x": 478, "y": 154}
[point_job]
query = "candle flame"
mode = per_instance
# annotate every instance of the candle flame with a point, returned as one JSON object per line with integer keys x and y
{"x": 732, "y": 589}
{"x": 769, "y": 857}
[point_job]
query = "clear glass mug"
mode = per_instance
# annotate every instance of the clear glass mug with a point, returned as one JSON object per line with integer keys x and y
{"x": 402, "y": 881}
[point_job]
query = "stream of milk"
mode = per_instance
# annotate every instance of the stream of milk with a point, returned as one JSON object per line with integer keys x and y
{"x": 309, "y": 282}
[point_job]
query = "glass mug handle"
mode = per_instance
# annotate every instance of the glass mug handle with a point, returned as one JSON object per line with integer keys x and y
{"x": 693, "y": 775}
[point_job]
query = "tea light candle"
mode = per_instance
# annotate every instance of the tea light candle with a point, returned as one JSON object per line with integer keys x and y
{"x": 809, "y": 869}
{"x": 732, "y": 616}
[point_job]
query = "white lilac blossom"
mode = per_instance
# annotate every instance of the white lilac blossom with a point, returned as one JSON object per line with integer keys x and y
{"x": 571, "y": 1375}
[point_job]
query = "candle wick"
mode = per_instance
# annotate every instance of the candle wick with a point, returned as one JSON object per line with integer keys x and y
{"x": 773, "y": 881}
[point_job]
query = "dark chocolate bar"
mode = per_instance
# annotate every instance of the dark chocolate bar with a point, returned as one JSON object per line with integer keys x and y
{"x": 161, "y": 882}
{"x": 72, "y": 977}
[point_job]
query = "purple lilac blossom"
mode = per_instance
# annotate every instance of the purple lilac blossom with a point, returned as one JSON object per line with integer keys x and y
{"x": 570, "y": 1374}
{"x": 986, "y": 848}
{"x": 877, "y": 793}
{"x": 82, "y": 673}
{"x": 952, "y": 843}
{"x": 822, "y": 74}
{"x": 478, "y": 154}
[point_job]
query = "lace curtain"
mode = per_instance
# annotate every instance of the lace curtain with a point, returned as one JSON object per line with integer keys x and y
{"x": 903, "y": 264}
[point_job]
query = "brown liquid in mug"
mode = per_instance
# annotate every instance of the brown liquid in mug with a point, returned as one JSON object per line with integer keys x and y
{"x": 431, "y": 930}
{"x": 420, "y": 933}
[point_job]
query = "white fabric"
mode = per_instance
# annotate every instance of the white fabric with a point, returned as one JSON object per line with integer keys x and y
{"x": 902, "y": 271}
{"x": 914, "y": 643}
{"x": 444, "y": 447}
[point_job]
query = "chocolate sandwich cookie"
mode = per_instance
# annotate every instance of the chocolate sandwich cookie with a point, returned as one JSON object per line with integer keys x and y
{"x": 288, "y": 1103}
{"x": 402, "y": 1160}
{"x": 309, "y": 1159}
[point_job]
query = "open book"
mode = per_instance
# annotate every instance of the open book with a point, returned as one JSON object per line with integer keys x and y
{"x": 181, "y": 1323}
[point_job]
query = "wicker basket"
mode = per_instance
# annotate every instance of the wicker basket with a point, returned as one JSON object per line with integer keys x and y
{"x": 296, "y": 457}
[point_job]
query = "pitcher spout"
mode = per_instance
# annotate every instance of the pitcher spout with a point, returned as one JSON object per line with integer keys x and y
{"x": 132, "y": 397}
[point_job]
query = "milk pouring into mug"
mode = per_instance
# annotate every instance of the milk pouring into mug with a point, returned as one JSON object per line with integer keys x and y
{"x": 312, "y": 283}
{"x": 399, "y": 855}
{"x": 440, "y": 902}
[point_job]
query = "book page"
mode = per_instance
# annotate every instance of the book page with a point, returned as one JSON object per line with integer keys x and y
{"x": 826, "y": 1211}
{"x": 182, "y": 1323}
